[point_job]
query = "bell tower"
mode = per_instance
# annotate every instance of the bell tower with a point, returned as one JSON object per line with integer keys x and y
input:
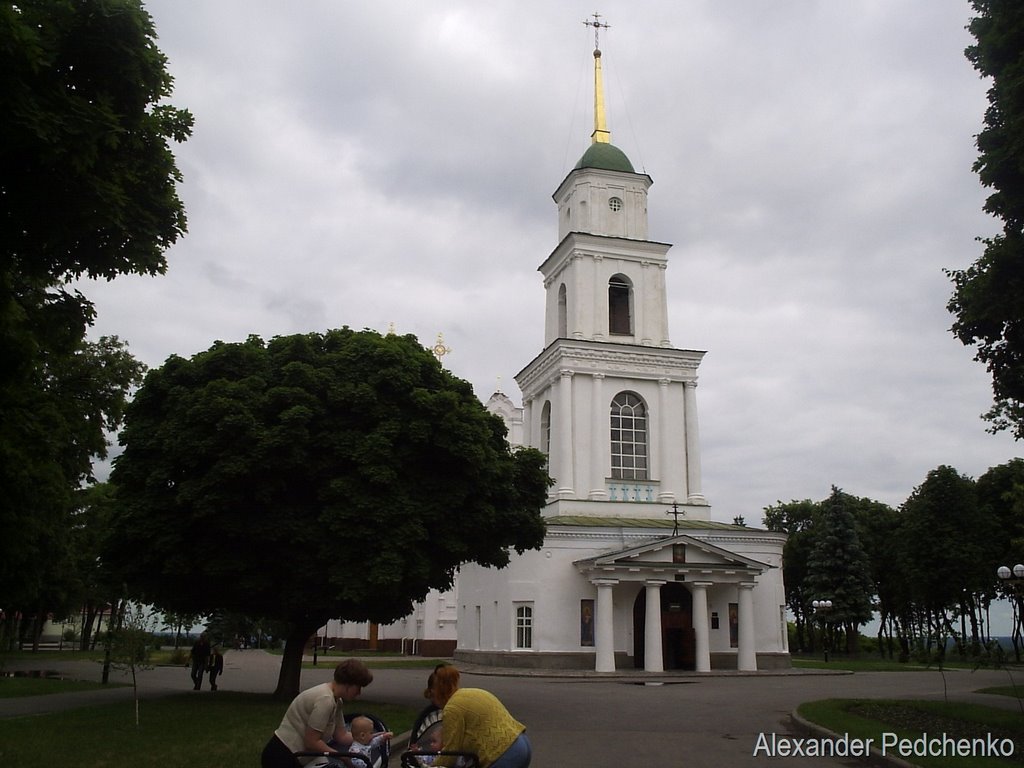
{"x": 609, "y": 400}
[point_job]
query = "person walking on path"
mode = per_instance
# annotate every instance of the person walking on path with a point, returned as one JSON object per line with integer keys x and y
{"x": 474, "y": 720}
{"x": 314, "y": 721}
{"x": 215, "y": 666}
{"x": 200, "y": 657}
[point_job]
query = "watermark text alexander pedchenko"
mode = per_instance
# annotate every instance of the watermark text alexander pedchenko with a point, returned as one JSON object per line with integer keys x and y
{"x": 889, "y": 745}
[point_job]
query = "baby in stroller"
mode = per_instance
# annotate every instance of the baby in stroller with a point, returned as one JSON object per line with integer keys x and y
{"x": 428, "y": 747}
{"x": 366, "y": 739}
{"x": 369, "y": 739}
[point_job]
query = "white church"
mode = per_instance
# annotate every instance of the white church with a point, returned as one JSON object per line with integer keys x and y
{"x": 633, "y": 573}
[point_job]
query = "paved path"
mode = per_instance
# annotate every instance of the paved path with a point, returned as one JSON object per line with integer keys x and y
{"x": 580, "y": 720}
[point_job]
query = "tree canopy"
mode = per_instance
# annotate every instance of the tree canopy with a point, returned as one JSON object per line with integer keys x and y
{"x": 88, "y": 181}
{"x": 928, "y": 568}
{"x": 838, "y": 567}
{"x": 88, "y": 184}
{"x": 316, "y": 476}
{"x": 988, "y": 297}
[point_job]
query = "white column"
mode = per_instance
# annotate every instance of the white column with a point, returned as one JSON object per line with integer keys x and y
{"x": 599, "y": 445}
{"x": 528, "y": 429}
{"x": 701, "y": 629}
{"x": 664, "y": 341}
{"x": 599, "y": 300}
{"x": 642, "y": 295}
{"x": 566, "y": 483}
{"x": 653, "y": 656}
{"x": 747, "y": 660}
{"x": 604, "y": 634}
{"x": 665, "y": 469}
{"x": 576, "y": 307}
{"x": 693, "y": 487}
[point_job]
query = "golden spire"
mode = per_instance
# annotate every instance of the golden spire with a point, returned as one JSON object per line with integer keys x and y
{"x": 600, "y": 134}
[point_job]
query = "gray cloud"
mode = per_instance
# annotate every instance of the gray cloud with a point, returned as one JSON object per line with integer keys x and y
{"x": 376, "y": 163}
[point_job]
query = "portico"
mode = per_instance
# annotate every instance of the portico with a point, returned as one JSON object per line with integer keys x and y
{"x": 683, "y": 561}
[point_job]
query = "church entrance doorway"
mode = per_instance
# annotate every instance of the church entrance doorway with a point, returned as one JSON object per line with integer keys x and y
{"x": 678, "y": 641}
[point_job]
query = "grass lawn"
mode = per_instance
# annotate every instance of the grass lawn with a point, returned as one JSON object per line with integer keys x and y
{"x": 378, "y": 662}
{"x": 14, "y": 687}
{"x": 42, "y": 656}
{"x": 871, "y": 719}
{"x": 180, "y": 731}
{"x": 864, "y": 719}
{"x": 875, "y": 664}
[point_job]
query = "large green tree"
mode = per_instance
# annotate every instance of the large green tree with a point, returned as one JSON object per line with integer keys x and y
{"x": 838, "y": 568}
{"x": 949, "y": 543}
{"x": 1001, "y": 496}
{"x": 879, "y": 529}
{"x": 796, "y": 519}
{"x": 88, "y": 189}
{"x": 988, "y": 297}
{"x": 314, "y": 476}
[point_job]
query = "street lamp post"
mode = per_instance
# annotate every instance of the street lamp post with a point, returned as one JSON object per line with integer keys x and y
{"x": 821, "y": 611}
{"x": 1013, "y": 578}
{"x": 1007, "y": 574}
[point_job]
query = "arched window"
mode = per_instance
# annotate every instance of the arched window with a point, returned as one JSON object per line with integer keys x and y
{"x": 620, "y": 306}
{"x": 563, "y": 312}
{"x": 545, "y": 429}
{"x": 629, "y": 437}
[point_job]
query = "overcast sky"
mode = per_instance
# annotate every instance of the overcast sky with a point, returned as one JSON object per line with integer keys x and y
{"x": 377, "y": 163}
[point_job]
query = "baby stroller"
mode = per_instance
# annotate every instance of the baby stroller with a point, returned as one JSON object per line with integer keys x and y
{"x": 380, "y": 751}
{"x": 416, "y": 759}
{"x": 422, "y": 755}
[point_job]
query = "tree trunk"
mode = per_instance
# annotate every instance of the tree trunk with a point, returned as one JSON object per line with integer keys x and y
{"x": 291, "y": 662}
{"x": 88, "y": 617}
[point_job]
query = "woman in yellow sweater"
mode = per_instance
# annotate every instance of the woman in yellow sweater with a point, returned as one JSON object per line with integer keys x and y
{"x": 475, "y": 721}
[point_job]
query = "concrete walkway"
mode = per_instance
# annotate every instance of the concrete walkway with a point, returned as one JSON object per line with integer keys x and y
{"x": 580, "y": 719}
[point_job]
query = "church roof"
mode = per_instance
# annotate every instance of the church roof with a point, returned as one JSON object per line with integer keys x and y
{"x": 605, "y": 157}
{"x": 593, "y": 521}
{"x": 658, "y": 556}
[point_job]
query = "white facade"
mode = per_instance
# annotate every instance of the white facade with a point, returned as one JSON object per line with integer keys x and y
{"x": 633, "y": 572}
{"x": 429, "y": 630}
{"x": 594, "y": 577}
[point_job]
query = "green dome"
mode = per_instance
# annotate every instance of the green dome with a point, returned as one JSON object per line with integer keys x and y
{"x": 605, "y": 157}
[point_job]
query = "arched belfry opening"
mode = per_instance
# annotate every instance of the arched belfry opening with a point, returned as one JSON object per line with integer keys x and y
{"x": 563, "y": 313}
{"x": 620, "y": 306}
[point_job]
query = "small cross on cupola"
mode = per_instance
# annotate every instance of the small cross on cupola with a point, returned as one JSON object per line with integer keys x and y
{"x": 598, "y": 26}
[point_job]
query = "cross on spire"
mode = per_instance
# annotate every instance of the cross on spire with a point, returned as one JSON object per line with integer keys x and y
{"x": 598, "y": 26}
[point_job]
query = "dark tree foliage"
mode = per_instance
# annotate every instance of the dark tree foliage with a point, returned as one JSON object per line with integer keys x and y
{"x": 1001, "y": 496}
{"x": 94, "y": 586}
{"x": 947, "y": 542}
{"x": 87, "y": 189}
{"x": 931, "y": 563}
{"x": 879, "y": 527}
{"x": 797, "y": 519}
{"x": 87, "y": 180}
{"x": 317, "y": 476}
{"x": 53, "y": 425}
{"x": 988, "y": 297}
{"x": 838, "y": 568}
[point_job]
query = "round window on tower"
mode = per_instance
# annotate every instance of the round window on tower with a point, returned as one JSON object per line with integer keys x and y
{"x": 615, "y": 203}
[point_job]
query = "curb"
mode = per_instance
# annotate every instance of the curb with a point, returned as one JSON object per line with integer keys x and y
{"x": 876, "y": 758}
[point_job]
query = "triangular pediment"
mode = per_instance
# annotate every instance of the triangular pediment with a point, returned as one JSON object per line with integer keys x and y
{"x": 681, "y": 558}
